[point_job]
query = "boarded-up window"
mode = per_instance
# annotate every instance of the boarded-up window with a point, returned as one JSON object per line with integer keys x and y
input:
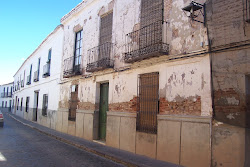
{"x": 148, "y": 103}
{"x": 45, "y": 105}
{"x": 151, "y": 11}
{"x": 73, "y": 102}
{"x": 151, "y": 25}
{"x": 106, "y": 28}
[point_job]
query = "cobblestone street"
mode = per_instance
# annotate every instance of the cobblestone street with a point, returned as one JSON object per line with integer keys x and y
{"x": 22, "y": 146}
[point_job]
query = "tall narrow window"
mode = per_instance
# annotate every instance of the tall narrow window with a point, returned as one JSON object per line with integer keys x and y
{"x": 46, "y": 67}
{"x": 105, "y": 40}
{"x": 17, "y": 103}
{"x": 148, "y": 103}
{"x": 49, "y": 61}
{"x": 45, "y": 105}
{"x": 29, "y": 76}
{"x": 73, "y": 102}
{"x": 78, "y": 51}
{"x": 38, "y": 68}
{"x": 27, "y": 104}
{"x": 21, "y": 108}
{"x": 36, "y": 73}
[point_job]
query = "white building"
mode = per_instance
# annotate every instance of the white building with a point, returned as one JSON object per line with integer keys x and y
{"x": 6, "y": 91}
{"x": 37, "y": 81}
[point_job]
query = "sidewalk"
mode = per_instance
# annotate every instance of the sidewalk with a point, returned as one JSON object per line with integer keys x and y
{"x": 120, "y": 156}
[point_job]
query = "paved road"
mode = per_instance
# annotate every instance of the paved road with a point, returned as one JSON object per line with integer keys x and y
{"x": 21, "y": 146}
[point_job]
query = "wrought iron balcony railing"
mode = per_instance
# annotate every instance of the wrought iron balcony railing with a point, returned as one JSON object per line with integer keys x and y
{"x": 100, "y": 57}
{"x": 28, "y": 80}
{"x": 36, "y": 76}
{"x": 72, "y": 66}
{"x": 149, "y": 41}
{"x": 2, "y": 95}
{"x": 46, "y": 70}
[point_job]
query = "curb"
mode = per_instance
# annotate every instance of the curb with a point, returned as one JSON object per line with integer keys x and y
{"x": 112, "y": 158}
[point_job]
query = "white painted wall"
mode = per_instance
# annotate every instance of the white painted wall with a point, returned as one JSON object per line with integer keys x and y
{"x": 6, "y": 99}
{"x": 48, "y": 85}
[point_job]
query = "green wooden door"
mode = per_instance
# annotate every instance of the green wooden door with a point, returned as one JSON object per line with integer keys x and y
{"x": 103, "y": 110}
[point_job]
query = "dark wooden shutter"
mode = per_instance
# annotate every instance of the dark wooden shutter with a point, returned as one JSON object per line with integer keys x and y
{"x": 148, "y": 103}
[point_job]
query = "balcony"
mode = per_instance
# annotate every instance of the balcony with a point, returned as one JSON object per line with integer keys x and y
{"x": 149, "y": 41}
{"x": 72, "y": 66}
{"x": 36, "y": 76}
{"x": 100, "y": 57}
{"x": 28, "y": 80}
{"x": 2, "y": 95}
{"x": 46, "y": 70}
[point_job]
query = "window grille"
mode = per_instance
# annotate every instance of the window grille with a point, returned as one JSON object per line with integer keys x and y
{"x": 101, "y": 57}
{"x": 148, "y": 103}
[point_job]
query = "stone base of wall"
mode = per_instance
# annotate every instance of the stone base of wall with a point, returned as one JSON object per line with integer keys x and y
{"x": 183, "y": 140}
{"x": 230, "y": 145}
{"x": 82, "y": 127}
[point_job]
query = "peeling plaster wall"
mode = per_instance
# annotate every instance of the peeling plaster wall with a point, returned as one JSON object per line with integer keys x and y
{"x": 230, "y": 33}
{"x": 184, "y": 78}
{"x": 184, "y": 35}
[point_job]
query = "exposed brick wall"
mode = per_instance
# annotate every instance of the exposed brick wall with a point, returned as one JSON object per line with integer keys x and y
{"x": 185, "y": 107}
{"x": 130, "y": 106}
{"x": 230, "y": 107}
{"x": 86, "y": 106}
{"x": 226, "y": 21}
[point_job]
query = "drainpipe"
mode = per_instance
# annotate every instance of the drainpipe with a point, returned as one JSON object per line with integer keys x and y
{"x": 211, "y": 78}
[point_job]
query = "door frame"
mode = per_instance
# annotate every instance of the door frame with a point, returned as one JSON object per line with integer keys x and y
{"x": 100, "y": 105}
{"x": 36, "y": 102}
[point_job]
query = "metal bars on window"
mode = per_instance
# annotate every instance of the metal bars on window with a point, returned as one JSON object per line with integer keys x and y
{"x": 148, "y": 103}
{"x": 151, "y": 11}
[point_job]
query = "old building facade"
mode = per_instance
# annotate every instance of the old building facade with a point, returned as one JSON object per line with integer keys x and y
{"x": 6, "y": 92}
{"x": 36, "y": 83}
{"x": 136, "y": 75}
{"x": 229, "y": 32}
{"x": 166, "y": 79}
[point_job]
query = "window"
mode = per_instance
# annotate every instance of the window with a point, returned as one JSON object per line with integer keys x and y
{"x": 17, "y": 103}
{"x": 247, "y": 11}
{"x": 21, "y": 108}
{"x": 73, "y": 102}
{"x": 46, "y": 67}
{"x": 49, "y": 56}
{"x": 2, "y": 104}
{"x": 36, "y": 73}
{"x": 27, "y": 104}
{"x": 6, "y": 104}
{"x": 148, "y": 107}
{"x": 45, "y": 104}
{"x": 78, "y": 51}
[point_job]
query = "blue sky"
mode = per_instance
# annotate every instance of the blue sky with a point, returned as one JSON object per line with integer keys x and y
{"x": 24, "y": 24}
